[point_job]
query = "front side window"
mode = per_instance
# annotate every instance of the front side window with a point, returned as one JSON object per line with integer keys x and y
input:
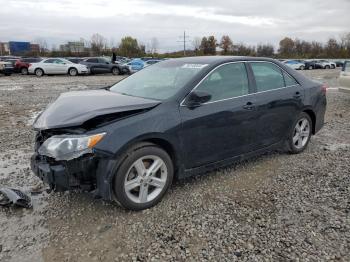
{"x": 58, "y": 61}
{"x": 103, "y": 60}
{"x": 267, "y": 76}
{"x": 227, "y": 81}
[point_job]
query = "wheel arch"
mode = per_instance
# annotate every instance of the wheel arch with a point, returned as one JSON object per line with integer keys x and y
{"x": 159, "y": 140}
{"x": 117, "y": 67}
{"x": 312, "y": 115}
{"x": 72, "y": 67}
{"x": 39, "y": 68}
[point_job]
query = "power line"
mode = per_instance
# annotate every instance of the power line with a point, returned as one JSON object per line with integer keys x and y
{"x": 184, "y": 40}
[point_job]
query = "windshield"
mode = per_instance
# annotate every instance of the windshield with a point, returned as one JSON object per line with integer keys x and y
{"x": 159, "y": 81}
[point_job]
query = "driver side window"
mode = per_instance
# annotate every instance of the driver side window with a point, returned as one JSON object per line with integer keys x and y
{"x": 227, "y": 81}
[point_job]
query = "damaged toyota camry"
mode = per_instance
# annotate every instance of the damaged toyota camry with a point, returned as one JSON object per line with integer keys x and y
{"x": 126, "y": 143}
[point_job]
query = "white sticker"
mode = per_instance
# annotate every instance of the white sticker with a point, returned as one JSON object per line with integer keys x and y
{"x": 194, "y": 66}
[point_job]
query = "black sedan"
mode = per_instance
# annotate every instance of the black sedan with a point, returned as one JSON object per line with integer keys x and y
{"x": 102, "y": 65}
{"x": 312, "y": 64}
{"x": 174, "y": 119}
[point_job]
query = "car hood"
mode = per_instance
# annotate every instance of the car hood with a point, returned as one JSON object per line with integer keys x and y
{"x": 74, "y": 108}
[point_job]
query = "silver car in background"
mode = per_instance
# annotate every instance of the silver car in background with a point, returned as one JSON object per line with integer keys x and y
{"x": 57, "y": 66}
{"x": 344, "y": 78}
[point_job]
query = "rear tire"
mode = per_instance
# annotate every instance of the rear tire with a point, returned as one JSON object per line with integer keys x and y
{"x": 302, "y": 68}
{"x": 299, "y": 136}
{"x": 39, "y": 72}
{"x": 311, "y": 67}
{"x": 24, "y": 71}
{"x": 327, "y": 67}
{"x": 133, "y": 188}
{"x": 333, "y": 66}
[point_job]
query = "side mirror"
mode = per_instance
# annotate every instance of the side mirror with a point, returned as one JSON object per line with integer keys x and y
{"x": 196, "y": 98}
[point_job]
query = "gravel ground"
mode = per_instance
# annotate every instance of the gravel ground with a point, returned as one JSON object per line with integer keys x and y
{"x": 275, "y": 207}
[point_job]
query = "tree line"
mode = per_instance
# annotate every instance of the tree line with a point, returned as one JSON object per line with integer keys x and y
{"x": 288, "y": 48}
{"x": 209, "y": 45}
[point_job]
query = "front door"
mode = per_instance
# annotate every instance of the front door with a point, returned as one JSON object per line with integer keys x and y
{"x": 223, "y": 127}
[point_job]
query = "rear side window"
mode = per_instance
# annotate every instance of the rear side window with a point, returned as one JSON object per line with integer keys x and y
{"x": 50, "y": 61}
{"x": 227, "y": 81}
{"x": 267, "y": 76}
{"x": 290, "y": 81}
{"x": 92, "y": 60}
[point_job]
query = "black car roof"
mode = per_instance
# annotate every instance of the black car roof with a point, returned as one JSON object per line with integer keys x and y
{"x": 213, "y": 60}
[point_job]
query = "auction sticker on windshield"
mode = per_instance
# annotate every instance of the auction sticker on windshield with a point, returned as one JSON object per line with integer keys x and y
{"x": 194, "y": 66}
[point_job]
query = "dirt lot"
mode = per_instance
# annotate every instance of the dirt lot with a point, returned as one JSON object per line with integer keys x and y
{"x": 275, "y": 207}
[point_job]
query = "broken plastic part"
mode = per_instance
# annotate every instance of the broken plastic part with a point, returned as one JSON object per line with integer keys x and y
{"x": 14, "y": 196}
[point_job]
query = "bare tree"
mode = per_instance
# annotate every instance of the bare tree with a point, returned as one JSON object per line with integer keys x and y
{"x": 154, "y": 45}
{"x": 43, "y": 47}
{"x": 98, "y": 43}
{"x": 197, "y": 43}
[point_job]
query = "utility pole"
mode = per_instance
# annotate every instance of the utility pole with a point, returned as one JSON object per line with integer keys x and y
{"x": 184, "y": 40}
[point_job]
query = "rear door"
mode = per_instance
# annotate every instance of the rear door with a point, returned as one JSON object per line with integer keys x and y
{"x": 48, "y": 66}
{"x": 278, "y": 100}
{"x": 104, "y": 65}
{"x": 225, "y": 126}
{"x": 93, "y": 64}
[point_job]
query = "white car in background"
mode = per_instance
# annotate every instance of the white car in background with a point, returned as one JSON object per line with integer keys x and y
{"x": 326, "y": 64}
{"x": 57, "y": 66}
{"x": 295, "y": 64}
{"x": 344, "y": 79}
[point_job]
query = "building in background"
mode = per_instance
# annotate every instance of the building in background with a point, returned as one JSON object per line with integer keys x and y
{"x": 4, "y": 48}
{"x": 19, "y": 48}
{"x": 73, "y": 47}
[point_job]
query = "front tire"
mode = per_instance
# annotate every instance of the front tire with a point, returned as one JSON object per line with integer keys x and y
{"x": 115, "y": 71}
{"x": 302, "y": 67}
{"x": 73, "y": 72}
{"x": 300, "y": 135}
{"x": 143, "y": 177}
{"x": 39, "y": 72}
{"x": 327, "y": 67}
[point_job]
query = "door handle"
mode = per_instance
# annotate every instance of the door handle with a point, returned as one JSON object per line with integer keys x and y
{"x": 249, "y": 106}
{"x": 297, "y": 95}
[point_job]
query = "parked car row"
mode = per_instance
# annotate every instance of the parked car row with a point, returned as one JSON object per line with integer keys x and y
{"x": 73, "y": 66}
{"x": 311, "y": 64}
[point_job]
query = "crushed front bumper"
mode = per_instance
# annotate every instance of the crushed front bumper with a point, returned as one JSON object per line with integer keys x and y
{"x": 61, "y": 176}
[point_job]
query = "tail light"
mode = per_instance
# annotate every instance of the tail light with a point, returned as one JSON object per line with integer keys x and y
{"x": 324, "y": 88}
{"x": 29, "y": 65}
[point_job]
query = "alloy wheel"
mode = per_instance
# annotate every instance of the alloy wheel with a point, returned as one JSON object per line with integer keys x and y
{"x": 301, "y": 133}
{"x": 73, "y": 72}
{"x": 24, "y": 71}
{"x": 145, "y": 179}
{"x": 39, "y": 72}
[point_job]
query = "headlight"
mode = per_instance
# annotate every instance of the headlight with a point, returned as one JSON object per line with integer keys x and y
{"x": 67, "y": 147}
